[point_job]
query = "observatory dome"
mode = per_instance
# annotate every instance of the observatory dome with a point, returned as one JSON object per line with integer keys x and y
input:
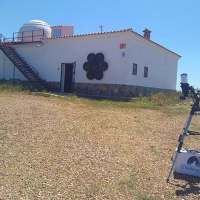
{"x": 34, "y": 30}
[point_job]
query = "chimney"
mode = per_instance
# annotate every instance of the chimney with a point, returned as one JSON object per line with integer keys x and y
{"x": 147, "y": 33}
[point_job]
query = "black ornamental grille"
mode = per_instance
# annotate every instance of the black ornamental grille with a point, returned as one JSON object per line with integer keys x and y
{"x": 95, "y": 66}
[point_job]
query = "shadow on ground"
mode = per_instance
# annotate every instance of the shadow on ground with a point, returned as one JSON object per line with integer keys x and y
{"x": 191, "y": 185}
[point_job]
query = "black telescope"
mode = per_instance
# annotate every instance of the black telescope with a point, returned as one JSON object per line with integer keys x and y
{"x": 187, "y": 89}
{"x": 184, "y": 86}
{"x": 195, "y": 94}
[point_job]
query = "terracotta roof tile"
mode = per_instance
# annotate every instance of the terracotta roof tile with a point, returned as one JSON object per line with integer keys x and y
{"x": 59, "y": 26}
{"x": 125, "y": 30}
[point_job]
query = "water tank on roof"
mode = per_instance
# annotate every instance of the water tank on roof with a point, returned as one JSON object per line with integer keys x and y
{"x": 34, "y": 30}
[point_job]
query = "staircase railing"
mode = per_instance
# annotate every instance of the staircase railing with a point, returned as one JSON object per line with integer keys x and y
{"x": 29, "y": 36}
{"x": 5, "y": 42}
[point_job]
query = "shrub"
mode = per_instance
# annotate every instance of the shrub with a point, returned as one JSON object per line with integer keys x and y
{"x": 166, "y": 99}
{"x": 162, "y": 99}
{"x": 11, "y": 88}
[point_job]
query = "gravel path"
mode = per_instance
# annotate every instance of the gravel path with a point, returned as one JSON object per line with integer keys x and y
{"x": 53, "y": 148}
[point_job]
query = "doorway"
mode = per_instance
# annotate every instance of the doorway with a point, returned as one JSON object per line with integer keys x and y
{"x": 67, "y": 77}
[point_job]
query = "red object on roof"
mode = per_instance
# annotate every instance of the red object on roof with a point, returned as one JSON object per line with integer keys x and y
{"x": 122, "y": 46}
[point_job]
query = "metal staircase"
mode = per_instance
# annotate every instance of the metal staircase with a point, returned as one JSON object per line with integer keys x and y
{"x": 25, "y": 68}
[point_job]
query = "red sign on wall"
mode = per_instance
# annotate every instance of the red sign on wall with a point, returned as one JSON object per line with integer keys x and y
{"x": 122, "y": 46}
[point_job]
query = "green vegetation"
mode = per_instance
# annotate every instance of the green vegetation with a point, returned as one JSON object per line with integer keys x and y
{"x": 159, "y": 99}
{"x": 154, "y": 150}
{"x": 145, "y": 197}
{"x": 10, "y": 88}
{"x": 168, "y": 102}
{"x": 43, "y": 94}
{"x": 130, "y": 184}
{"x": 2, "y": 135}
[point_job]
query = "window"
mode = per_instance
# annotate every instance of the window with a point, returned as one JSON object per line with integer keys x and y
{"x": 145, "y": 72}
{"x": 56, "y": 32}
{"x": 134, "y": 69}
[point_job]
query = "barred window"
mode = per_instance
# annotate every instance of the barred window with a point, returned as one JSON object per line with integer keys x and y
{"x": 145, "y": 72}
{"x": 134, "y": 69}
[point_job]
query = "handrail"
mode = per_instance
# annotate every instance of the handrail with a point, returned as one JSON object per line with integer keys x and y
{"x": 2, "y": 42}
{"x": 25, "y": 34}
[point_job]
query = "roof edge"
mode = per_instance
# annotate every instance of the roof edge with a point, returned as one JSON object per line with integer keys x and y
{"x": 118, "y": 31}
{"x": 156, "y": 44}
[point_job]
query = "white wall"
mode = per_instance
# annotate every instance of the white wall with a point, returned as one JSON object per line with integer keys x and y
{"x": 162, "y": 65}
{"x": 1, "y": 65}
{"x": 47, "y": 59}
{"x": 7, "y": 69}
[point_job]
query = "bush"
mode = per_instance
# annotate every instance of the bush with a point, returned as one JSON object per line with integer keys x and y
{"x": 10, "y": 88}
{"x": 165, "y": 99}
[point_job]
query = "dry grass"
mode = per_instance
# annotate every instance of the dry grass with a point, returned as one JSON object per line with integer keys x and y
{"x": 53, "y": 148}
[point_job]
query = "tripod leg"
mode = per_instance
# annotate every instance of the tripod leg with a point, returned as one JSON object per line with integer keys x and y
{"x": 172, "y": 167}
{"x": 181, "y": 140}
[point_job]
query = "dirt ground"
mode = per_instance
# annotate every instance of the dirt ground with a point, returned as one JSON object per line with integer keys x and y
{"x": 52, "y": 148}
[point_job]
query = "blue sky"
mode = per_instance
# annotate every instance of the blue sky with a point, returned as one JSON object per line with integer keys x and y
{"x": 175, "y": 24}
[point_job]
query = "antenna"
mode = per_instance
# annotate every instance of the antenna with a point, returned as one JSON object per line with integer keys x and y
{"x": 101, "y": 27}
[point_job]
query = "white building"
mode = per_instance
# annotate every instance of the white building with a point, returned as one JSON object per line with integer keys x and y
{"x": 135, "y": 63}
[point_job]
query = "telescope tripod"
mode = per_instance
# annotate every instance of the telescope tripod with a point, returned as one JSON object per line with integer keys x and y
{"x": 194, "y": 110}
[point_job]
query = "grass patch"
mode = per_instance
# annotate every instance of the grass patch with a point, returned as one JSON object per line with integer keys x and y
{"x": 168, "y": 102}
{"x": 93, "y": 193}
{"x": 130, "y": 184}
{"x": 10, "y": 88}
{"x": 42, "y": 94}
{"x": 154, "y": 151}
{"x": 181, "y": 109}
{"x": 146, "y": 197}
{"x": 2, "y": 136}
{"x": 165, "y": 99}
